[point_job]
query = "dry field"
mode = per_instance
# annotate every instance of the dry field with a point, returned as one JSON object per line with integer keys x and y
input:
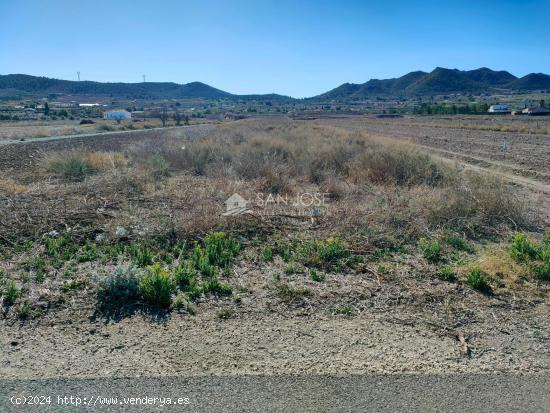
{"x": 22, "y": 130}
{"x": 117, "y": 254}
{"x": 474, "y": 139}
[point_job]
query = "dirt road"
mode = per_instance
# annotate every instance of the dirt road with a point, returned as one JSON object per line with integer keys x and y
{"x": 92, "y": 135}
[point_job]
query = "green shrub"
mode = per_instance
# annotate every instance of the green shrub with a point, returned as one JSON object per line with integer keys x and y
{"x": 158, "y": 167}
{"x": 221, "y": 249}
{"x": 156, "y": 286}
{"x": 285, "y": 252}
{"x": 523, "y": 249}
{"x": 447, "y": 274}
{"x": 478, "y": 281}
{"x": 105, "y": 128}
{"x": 72, "y": 285}
{"x": 200, "y": 261}
{"x": 25, "y": 308}
{"x": 123, "y": 285}
{"x": 535, "y": 255}
{"x": 541, "y": 270}
{"x": 199, "y": 159}
{"x": 291, "y": 268}
{"x": 319, "y": 253}
{"x": 141, "y": 254}
{"x": 214, "y": 286}
{"x": 458, "y": 243}
{"x": 267, "y": 253}
{"x": 11, "y": 293}
{"x": 185, "y": 276}
{"x": 61, "y": 248}
{"x": 88, "y": 253}
{"x": 315, "y": 276}
{"x": 431, "y": 250}
{"x": 39, "y": 266}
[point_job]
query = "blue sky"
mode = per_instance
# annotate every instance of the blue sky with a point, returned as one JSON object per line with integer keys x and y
{"x": 297, "y": 48}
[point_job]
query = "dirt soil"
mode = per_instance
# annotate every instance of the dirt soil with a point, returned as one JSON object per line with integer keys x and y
{"x": 526, "y": 154}
{"x": 352, "y": 323}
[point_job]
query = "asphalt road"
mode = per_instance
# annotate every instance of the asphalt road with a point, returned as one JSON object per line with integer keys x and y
{"x": 474, "y": 392}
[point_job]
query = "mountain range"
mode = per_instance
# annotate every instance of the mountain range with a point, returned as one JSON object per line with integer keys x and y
{"x": 26, "y": 85}
{"x": 438, "y": 81}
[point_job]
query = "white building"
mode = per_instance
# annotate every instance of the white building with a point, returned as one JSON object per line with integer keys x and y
{"x": 499, "y": 109}
{"x": 117, "y": 114}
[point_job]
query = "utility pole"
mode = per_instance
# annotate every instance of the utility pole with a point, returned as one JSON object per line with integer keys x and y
{"x": 78, "y": 75}
{"x": 143, "y": 78}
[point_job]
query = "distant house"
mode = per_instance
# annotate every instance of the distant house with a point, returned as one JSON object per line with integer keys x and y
{"x": 536, "y": 111}
{"x": 498, "y": 109}
{"x": 117, "y": 114}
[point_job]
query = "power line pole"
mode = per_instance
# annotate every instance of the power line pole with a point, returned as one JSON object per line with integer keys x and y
{"x": 78, "y": 75}
{"x": 143, "y": 78}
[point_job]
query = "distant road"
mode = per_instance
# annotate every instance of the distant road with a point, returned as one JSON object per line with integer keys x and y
{"x": 91, "y": 135}
{"x": 476, "y": 392}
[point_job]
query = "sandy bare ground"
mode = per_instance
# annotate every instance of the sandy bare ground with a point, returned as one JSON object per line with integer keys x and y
{"x": 256, "y": 344}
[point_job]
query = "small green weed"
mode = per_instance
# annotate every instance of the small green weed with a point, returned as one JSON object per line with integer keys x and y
{"x": 156, "y": 286}
{"x": 478, "y": 281}
{"x": 88, "y": 253}
{"x": 267, "y": 254}
{"x": 11, "y": 293}
{"x": 289, "y": 294}
{"x": 458, "y": 243}
{"x": 431, "y": 250}
{"x": 523, "y": 249}
{"x": 141, "y": 254}
{"x": 447, "y": 274}
{"x": 315, "y": 276}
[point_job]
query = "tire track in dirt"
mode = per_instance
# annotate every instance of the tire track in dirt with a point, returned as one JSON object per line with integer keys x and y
{"x": 504, "y": 171}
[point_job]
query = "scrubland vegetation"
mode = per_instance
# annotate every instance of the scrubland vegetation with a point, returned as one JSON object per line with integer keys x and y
{"x": 144, "y": 227}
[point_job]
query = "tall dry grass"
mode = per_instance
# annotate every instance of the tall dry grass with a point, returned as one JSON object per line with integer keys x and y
{"x": 415, "y": 190}
{"x": 76, "y": 165}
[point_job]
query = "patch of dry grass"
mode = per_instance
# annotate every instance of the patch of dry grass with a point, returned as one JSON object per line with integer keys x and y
{"x": 76, "y": 164}
{"x": 9, "y": 186}
{"x": 500, "y": 268}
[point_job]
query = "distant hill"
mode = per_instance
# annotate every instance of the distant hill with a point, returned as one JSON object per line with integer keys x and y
{"x": 439, "y": 81}
{"x": 533, "y": 81}
{"x": 26, "y": 85}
